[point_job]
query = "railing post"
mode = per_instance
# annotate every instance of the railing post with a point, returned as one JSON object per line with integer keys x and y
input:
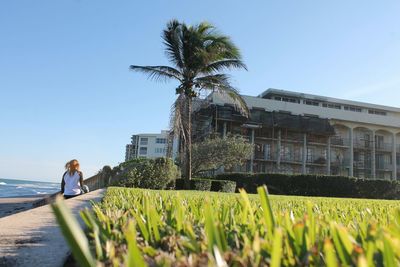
{"x": 373, "y": 156}
{"x": 304, "y": 156}
{"x": 351, "y": 167}
{"x": 224, "y": 130}
{"x": 328, "y": 156}
{"x": 394, "y": 156}
{"x": 254, "y": 151}
{"x": 278, "y": 151}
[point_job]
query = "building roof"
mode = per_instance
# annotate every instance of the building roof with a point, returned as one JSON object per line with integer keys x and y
{"x": 163, "y": 132}
{"x": 273, "y": 91}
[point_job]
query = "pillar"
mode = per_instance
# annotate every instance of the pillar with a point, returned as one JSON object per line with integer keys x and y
{"x": 224, "y": 130}
{"x": 222, "y": 169}
{"x": 394, "y": 156}
{"x": 266, "y": 155}
{"x": 254, "y": 151}
{"x": 351, "y": 167}
{"x": 304, "y": 155}
{"x": 328, "y": 156}
{"x": 373, "y": 156}
{"x": 278, "y": 150}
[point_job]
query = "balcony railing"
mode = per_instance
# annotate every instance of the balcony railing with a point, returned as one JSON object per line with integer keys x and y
{"x": 291, "y": 158}
{"x": 383, "y": 166}
{"x": 338, "y": 141}
{"x": 383, "y": 146}
{"x": 362, "y": 144}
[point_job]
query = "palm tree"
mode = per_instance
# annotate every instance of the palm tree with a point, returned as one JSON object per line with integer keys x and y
{"x": 199, "y": 54}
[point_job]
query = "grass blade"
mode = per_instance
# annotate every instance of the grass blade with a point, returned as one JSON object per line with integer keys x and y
{"x": 134, "y": 257}
{"x": 277, "y": 251}
{"x": 330, "y": 255}
{"x": 267, "y": 210}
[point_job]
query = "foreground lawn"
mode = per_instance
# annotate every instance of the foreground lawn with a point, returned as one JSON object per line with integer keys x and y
{"x": 134, "y": 227}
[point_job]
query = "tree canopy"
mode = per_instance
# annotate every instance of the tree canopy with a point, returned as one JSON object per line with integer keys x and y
{"x": 214, "y": 153}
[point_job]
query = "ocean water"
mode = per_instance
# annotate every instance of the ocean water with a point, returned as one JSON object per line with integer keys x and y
{"x": 17, "y": 188}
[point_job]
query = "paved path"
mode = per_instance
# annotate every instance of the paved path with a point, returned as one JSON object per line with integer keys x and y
{"x": 32, "y": 237}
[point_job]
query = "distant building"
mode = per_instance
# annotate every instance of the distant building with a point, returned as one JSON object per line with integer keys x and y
{"x": 302, "y": 133}
{"x": 147, "y": 145}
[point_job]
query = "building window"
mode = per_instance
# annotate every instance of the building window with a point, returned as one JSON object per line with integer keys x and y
{"x": 331, "y": 105}
{"x": 310, "y": 154}
{"x": 144, "y": 141}
{"x": 351, "y": 108}
{"x": 160, "y": 150}
{"x": 161, "y": 140}
{"x": 143, "y": 151}
{"x": 379, "y": 141}
{"x": 377, "y": 112}
{"x": 267, "y": 151}
{"x": 311, "y": 102}
{"x": 289, "y": 99}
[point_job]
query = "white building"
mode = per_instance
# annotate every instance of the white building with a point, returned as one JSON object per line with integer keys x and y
{"x": 303, "y": 133}
{"x": 147, "y": 145}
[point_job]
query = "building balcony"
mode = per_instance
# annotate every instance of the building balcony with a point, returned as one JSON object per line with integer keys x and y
{"x": 340, "y": 163}
{"x": 383, "y": 147}
{"x": 398, "y": 148}
{"x": 317, "y": 139}
{"x": 362, "y": 165}
{"x": 260, "y": 155}
{"x": 339, "y": 141}
{"x": 292, "y": 158}
{"x": 383, "y": 167}
{"x": 316, "y": 161}
{"x": 360, "y": 144}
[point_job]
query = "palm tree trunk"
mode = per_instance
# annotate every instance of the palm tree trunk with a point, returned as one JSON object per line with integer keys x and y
{"x": 188, "y": 148}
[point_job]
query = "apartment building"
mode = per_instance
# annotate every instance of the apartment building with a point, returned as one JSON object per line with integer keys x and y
{"x": 294, "y": 132}
{"x": 147, "y": 145}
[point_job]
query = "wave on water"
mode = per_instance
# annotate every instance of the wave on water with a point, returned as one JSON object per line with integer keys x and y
{"x": 17, "y": 188}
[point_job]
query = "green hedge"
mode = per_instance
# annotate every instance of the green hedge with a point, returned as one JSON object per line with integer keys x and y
{"x": 208, "y": 185}
{"x": 223, "y": 186}
{"x": 316, "y": 185}
{"x": 156, "y": 173}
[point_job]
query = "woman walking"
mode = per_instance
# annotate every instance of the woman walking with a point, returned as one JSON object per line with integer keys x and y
{"x": 72, "y": 180}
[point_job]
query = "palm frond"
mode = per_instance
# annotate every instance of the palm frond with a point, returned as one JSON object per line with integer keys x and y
{"x": 205, "y": 28}
{"x": 223, "y": 65}
{"x": 221, "y": 46}
{"x": 230, "y": 94}
{"x": 219, "y": 79}
{"x": 158, "y": 73}
{"x": 219, "y": 83}
{"x": 172, "y": 37}
{"x": 178, "y": 117}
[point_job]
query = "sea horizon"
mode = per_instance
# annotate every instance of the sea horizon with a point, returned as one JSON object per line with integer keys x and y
{"x": 21, "y": 188}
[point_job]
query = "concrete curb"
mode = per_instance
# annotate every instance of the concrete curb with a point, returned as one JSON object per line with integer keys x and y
{"x": 33, "y": 238}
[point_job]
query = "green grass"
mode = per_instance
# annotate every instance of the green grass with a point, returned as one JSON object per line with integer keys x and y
{"x": 135, "y": 227}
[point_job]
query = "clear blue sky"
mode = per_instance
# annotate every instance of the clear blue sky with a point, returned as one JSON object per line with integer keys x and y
{"x": 66, "y": 91}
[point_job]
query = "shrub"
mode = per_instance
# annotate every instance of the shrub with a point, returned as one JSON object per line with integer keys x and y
{"x": 207, "y": 185}
{"x": 200, "y": 184}
{"x": 223, "y": 186}
{"x": 179, "y": 184}
{"x": 146, "y": 173}
{"x": 316, "y": 185}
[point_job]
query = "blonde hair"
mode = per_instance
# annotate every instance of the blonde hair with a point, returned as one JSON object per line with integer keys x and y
{"x": 74, "y": 163}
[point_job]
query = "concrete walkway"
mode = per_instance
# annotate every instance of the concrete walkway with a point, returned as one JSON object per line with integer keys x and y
{"x": 32, "y": 237}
